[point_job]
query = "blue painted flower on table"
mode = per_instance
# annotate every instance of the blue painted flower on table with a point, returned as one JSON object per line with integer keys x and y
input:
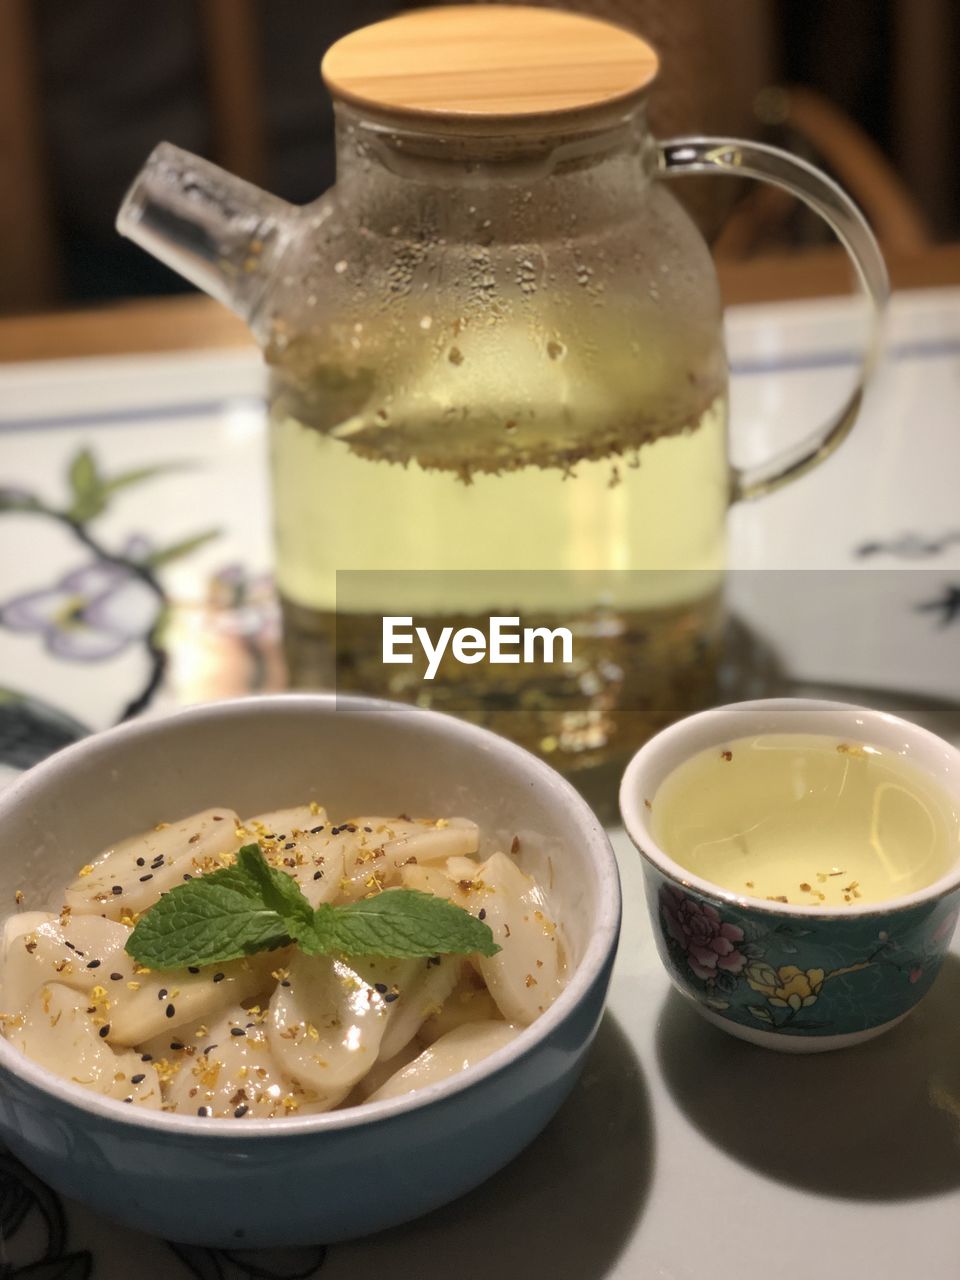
{"x": 92, "y": 613}
{"x": 710, "y": 943}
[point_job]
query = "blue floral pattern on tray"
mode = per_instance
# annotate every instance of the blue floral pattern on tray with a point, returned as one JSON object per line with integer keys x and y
{"x": 104, "y": 605}
{"x": 113, "y": 600}
{"x": 93, "y": 612}
{"x": 109, "y": 600}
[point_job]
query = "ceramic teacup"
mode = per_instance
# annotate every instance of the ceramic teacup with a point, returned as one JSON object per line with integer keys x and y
{"x": 799, "y": 978}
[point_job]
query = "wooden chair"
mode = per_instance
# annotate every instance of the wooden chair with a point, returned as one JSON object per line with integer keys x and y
{"x": 28, "y": 268}
{"x": 844, "y": 149}
{"x": 29, "y": 278}
{"x": 715, "y": 59}
{"x": 718, "y": 62}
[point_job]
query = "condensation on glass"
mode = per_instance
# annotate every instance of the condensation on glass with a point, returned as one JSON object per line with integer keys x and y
{"x": 496, "y": 345}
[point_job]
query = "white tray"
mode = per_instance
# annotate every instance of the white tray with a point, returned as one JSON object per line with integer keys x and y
{"x": 683, "y": 1154}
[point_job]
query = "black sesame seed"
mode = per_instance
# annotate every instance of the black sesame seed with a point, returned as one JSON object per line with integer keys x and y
{"x": 290, "y": 845}
{"x": 209, "y": 1048}
{"x": 93, "y": 964}
{"x": 130, "y": 1099}
{"x": 148, "y": 876}
{"x": 483, "y": 913}
{"x": 146, "y": 1057}
{"x": 285, "y": 983}
{"x": 105, "y": 1031}
{"x": 138, "y": 1078}
{"x": 269, "y": 835}
{"x": 176, "y": 1045}
{"x": 162, "y": 993}
{"x": 315, "y": 831}
{"x": 187, "y": 876}
{"x": 391, "y": 996}
{"x": 203, "y": 1111}
{"x": 116, "y": 977}
{"x": 381, "y": 987}
{"x": 219, "y": 977}
{"x": 192, "y": 968}
{"x": 170, "y": 1010}
{"x": 116, "y": 888}
{"x": 318, "y": 875}
{"x": 280, "y": 836}
{"x": 368, "y": 829}
{"x": 141, "y": 862}
{"x": 70, "y": 945}
{"x": 237, "y": 1031}
{"x": 241, "y": 1111}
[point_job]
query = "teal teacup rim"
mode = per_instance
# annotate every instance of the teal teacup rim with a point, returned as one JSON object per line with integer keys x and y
{"x": 668, "y": 749}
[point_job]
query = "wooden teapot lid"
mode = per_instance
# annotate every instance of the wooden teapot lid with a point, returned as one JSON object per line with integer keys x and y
{"x": 480, "y": 67}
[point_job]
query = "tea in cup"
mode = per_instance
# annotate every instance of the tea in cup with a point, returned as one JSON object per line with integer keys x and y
{"x": 802, "y": 865}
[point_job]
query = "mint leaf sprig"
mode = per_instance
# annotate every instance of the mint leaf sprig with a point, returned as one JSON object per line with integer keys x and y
{"x": 251, "y": 907}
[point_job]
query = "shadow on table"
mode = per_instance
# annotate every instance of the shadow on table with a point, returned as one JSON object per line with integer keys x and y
{"x": 563, "y": 1209}
{"x": 880, "y": 1121}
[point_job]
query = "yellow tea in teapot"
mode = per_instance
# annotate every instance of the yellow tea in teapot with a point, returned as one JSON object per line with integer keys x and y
{"x": 506, "y": 458}
{"x": 496, "y": 346}
{"x": 807, "y": 820}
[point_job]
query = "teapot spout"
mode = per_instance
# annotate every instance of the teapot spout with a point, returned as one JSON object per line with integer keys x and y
{"x": 223, "y": 234}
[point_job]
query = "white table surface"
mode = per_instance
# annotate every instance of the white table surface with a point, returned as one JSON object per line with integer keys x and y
{"x": 683, "y": 1154}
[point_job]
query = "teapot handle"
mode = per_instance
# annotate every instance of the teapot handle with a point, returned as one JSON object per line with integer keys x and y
{"x": 682, "y": 156}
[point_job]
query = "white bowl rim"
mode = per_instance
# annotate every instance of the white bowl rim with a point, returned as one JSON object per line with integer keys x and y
{"x": 601, "y": 942}
{"x": 843, "y": 715}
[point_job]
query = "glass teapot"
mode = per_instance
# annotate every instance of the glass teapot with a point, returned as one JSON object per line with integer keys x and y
{"x": 498, "y": 378}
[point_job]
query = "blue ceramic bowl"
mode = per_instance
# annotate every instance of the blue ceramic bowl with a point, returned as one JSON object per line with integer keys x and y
{"x": 800, "y": 978}
{"x": 328, "y": 1177}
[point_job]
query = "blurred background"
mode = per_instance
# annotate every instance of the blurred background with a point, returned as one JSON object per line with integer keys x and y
{"x": 865, "y": 88}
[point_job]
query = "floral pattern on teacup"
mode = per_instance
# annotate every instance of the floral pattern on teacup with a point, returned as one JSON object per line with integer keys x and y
{"x": 709, "y": 942}
{"x": 787, "y": 987}
{"x": 800, "y": 975}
